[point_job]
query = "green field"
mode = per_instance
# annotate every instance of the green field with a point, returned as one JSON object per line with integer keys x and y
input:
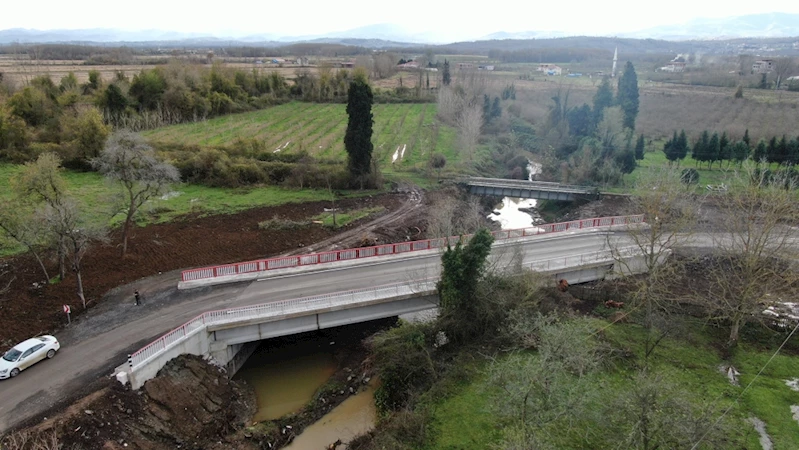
{"x": 463, "y": 419}
{"x": 97, "y": 194}
{"x": 319, "y": 130}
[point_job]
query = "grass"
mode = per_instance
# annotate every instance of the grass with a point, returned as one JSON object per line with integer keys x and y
{"x": 319, "y": 130}
{"x": 689, "y": 360}
{"x": 657, "y": 159}
{"x": 97, "y": 194}
{"x": 463, "y": 420}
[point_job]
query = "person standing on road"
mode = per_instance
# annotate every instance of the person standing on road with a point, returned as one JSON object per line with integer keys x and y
{"x": 136, "y": 297}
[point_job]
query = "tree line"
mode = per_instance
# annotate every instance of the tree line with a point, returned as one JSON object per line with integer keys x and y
{"x": 714, "y": 148}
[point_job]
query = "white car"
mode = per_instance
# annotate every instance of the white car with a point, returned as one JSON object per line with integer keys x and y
{"x": 26, "y": 354}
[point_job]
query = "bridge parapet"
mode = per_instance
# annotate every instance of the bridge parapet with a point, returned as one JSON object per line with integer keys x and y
{"x": 234, "y": 272}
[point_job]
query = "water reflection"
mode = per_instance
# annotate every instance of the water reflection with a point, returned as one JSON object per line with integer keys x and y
{"x": 510, "y": 216}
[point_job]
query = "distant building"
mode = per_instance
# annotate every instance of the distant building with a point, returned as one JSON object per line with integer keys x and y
{"x": 347, "y": 64}
{"x": 673, "y": 67}
{"x": 763, "y": 66}
{"x": 409, "y": 66}
{"x": 485, "y": 67}
{"x": 550, "y": 69}
{"x": 465, "y": 66}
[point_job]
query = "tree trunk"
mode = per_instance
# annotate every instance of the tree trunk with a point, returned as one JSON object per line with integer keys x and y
{"x": 126, "y": 229}
{"x": 41, "y": 264}
{"x": 734, "y": 333}
{"x": 62, "y": 265}
{"x": 80, "y": 288}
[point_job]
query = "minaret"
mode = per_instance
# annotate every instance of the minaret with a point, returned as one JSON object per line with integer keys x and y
{"x": 615, "y": 59}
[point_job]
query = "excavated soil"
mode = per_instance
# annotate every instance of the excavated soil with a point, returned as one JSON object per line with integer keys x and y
{"x": 31, "y": 307}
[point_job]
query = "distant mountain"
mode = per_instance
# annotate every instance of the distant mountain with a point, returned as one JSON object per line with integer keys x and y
{"x": 753, "y": 25}
{"x": 771, "y": 25}
{"x": 502, "y": 35}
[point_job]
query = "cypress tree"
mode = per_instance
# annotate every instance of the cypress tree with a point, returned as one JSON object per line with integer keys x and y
{"x": 446, "y": 78}
{"x": 761, "y": 152}
{"x": 358, "y": 137}
{"x": 602, "y": 99}
{"x": 713, "y": 150}
{"x": 683, "y": 145}
{"x": 724, "y": 148}
{"x": 671, "y": 148}
{"x": 640, "y": 147}
{"x": 627, "y": 96}
{"x": 771, "y": 150}
{"x": 496, "y": 109}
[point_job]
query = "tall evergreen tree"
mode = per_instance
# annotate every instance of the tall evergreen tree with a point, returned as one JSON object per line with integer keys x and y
{"x": 579, "y": 120}
{"x": 496, "y": 109}
{"x": 358, "y": 137}
{"x": 746, "y": 138}
{"x": 671, "y": 148}
{"x": 724, "y": 148}
{"x": 713, "y": 150}
{"x": 761, "y": 152}
{"x": 486, "y": 106}
{"x": 739, "y": 152}
{"x": 771, "y": 150}
{"x": 700, "y": 151}
{"x": 782, "y": 151}
{"x": 627, "y": 96}
{"x": 602, "y": 99}
{"x": 446, "y": 78}
{"x": 640, "y": 146}
{"x": 683, "y": 145}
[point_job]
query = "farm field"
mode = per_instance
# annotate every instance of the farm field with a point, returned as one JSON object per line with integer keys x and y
{"x": 19, "y": 72}
{"x": 666, "y": 107}
{"x": 405, "y": 135}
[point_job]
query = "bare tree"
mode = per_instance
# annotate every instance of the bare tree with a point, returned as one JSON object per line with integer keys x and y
{"x": 670, "y": 212}
{"x": 753, "y": 266}
{"x": 128, "y": 160}
{"x": 67, "y": 222}
{"x": 469, "y": 123}
{"x": 449, "y": 104}
{"x": 385, "y": 65}
{"x": 451, "y": 216}
{"x": 16, "y": 222}
{"x": 41, "y": 182}
{"x": 782, "y": 69}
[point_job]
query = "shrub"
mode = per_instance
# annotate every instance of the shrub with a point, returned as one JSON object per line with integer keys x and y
{"x": 689, "y": 176}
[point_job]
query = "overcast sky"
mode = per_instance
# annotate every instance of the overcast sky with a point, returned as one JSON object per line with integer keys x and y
{"x": 452, "y": 20}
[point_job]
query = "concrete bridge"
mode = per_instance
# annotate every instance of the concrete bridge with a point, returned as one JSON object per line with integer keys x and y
{"x": 529, "y": 189}
{"x": 229, "y": 336}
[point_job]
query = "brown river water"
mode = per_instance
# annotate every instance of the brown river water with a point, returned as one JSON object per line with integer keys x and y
{"x": 285, "y": 374}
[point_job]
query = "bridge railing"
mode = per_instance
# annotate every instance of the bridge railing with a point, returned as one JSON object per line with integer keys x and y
{"x": 278, "y": 309}
{"x": 283, "y": 262}
{"x": 585, "y": 258}
{"x": 529, "y": 184}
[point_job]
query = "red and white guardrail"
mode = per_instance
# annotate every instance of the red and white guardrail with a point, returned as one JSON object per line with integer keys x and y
{"x": 310, "y": 259}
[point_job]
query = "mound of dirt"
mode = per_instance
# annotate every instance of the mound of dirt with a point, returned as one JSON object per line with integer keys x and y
{"x": 190, "y": 404}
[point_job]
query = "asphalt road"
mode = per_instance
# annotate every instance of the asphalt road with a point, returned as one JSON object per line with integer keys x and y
{"x": 95, "y": 345}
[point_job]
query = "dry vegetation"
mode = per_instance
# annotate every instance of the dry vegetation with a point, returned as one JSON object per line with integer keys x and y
{"x": 18, "y": 72}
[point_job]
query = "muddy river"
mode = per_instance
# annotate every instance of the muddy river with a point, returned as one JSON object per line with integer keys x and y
{"x": 285, "y": 374}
